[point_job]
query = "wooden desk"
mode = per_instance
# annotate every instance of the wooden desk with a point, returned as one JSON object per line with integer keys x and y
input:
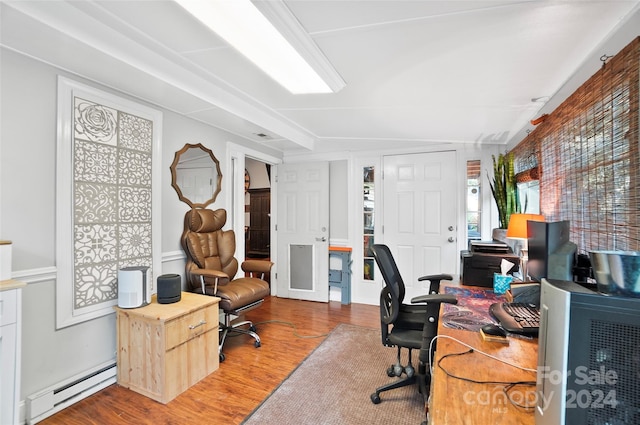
{"x": 457, "y": 402}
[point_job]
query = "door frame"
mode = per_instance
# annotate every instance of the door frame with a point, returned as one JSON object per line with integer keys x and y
{"x": 234, "y": 198}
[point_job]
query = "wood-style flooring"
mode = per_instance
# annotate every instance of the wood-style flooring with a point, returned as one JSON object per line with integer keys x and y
{"x": 244, "y": 379}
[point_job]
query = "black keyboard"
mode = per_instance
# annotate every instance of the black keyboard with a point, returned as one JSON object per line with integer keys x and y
{"x": 519, "y": 318}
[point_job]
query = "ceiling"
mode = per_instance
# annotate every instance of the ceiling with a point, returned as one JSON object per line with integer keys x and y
{"x": 417, "y": 72}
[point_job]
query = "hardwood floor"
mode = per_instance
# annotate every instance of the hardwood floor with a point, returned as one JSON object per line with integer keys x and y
{"x": 244, "y": 379}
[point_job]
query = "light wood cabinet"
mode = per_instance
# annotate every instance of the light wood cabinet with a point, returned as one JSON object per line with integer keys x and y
{"x": 163, "y": 349}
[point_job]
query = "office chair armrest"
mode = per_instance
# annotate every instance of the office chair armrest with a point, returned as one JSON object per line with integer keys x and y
{"x": 437, "y": 277}
{"x": 216, "y": 275}
{"x": 257, "y": 266}
{"x": 435, "y": 298}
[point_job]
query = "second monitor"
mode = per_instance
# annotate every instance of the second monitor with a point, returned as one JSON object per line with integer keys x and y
{"x": 551, "y": 254}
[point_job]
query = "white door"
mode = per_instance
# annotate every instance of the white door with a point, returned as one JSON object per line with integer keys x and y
{"x": 420, "y": 215}
{"x": 303, "y": 231}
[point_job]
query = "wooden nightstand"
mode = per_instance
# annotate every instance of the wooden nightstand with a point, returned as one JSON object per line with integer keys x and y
{"x": 163, "y": 349}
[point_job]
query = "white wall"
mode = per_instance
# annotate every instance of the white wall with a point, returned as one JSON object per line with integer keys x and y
{"x": 338, "y": 201}
{"x": 27, "y": 216}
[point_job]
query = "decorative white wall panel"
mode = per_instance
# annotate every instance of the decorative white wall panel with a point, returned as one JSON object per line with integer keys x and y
{"x": 108, "y": 206}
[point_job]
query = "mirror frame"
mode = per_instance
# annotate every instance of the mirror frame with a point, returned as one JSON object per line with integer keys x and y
{"x": 174, "y": 183}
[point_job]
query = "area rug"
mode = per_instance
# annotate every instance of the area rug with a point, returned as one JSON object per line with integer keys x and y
{"x": 333, "y": 384}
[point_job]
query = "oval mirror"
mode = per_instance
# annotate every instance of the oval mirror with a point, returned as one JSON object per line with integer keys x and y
{"x": 196, "y": 176}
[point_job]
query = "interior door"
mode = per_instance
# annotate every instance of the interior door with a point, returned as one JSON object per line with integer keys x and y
{"x": 303, "y": 231}
{"x": 420, "y": 215}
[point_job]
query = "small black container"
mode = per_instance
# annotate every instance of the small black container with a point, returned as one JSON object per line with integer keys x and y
{"x": 169, "y": 288}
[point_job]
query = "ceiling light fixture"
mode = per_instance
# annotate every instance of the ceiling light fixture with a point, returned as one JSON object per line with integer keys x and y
{"x": 243, "y": 26}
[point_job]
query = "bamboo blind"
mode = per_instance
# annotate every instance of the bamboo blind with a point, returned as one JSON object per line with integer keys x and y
{"x": 588, "y": 157}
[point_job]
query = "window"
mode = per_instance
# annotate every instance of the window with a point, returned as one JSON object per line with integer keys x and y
{"x": 368, "y": 189}
{"x": 589, "y": 157}
{"x": 473, "y": 200}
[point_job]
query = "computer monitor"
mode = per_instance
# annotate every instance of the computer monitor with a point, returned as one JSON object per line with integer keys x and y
{"x": 551, "y": 254}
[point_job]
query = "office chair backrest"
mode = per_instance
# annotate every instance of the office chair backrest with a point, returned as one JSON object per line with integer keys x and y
{"x": 208, "y": 246}
{"x": 389, "y": 269}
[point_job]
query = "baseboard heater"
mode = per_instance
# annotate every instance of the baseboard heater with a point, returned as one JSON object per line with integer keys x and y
{"x": 53, "y": 399}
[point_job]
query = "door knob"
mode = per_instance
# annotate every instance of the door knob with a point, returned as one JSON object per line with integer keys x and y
{"x": 451, "y": 239}
{"x": 451, "y": 228}
{"x": 322, "y": 239}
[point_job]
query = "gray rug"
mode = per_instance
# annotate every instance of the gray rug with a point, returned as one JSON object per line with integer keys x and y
{"x": 333, "y": 384}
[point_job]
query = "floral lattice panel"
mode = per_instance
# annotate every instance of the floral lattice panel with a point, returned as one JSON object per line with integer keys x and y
{"x": 107, "y": 213}
{"x": 112, "y": 198}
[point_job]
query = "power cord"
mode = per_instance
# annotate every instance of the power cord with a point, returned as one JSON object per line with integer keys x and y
{"x": 473, "y": 349}
{"x": 508, "y": 385}
{"x": 291, "y": 325}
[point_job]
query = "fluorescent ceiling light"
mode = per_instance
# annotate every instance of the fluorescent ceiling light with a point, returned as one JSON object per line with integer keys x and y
{"x": 242, "y": 25}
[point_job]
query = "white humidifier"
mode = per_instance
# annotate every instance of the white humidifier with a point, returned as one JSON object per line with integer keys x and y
{"x": 134, "y": 287}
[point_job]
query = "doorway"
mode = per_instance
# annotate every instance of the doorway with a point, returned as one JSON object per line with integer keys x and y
{"x": 257, "y": 209}
{"x": 257, "y": 204}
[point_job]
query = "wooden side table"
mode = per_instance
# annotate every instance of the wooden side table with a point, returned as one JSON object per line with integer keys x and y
{"x": 163, "y": 349}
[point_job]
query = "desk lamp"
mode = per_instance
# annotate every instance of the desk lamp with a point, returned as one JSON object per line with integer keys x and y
{"x": 517, "y": 229}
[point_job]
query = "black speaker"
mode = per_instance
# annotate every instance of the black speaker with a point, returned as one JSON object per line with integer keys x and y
{"x": 169, "y": 288}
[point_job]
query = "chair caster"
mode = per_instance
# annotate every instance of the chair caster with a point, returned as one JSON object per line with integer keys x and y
{"x": 397, "y": 370}
{"x": 375, "y": 398}
{"x": 257, "y": 344}
{"x": 410, "y": 371}
{"x": 253, "y": 328}
{"x": 222, "y": 357}
{"x": 390, "y": 372}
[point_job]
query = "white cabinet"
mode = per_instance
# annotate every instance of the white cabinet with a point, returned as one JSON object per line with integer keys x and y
{"x": 10, "y": 344}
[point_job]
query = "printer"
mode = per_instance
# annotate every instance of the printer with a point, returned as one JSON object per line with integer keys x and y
{"x": 482, "y": 260}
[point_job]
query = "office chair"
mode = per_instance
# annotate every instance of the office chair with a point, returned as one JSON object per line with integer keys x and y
{"x": 211, "y": 268}
{"x": 407, "y": 326}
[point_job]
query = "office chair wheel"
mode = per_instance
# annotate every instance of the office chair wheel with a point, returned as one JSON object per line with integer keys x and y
{"x": 410, "y": 371}
{"x": 253, "y": 328}
{"x": 397, "y": 370}
{"x": 222, "y": 357}
{"x": 375, "y": 398}
{"x": 257, "y": 344}
{"x": 390, "y": 372}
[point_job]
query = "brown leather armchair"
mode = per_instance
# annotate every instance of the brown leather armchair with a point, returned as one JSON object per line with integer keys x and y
{"x": 211, "y": 269}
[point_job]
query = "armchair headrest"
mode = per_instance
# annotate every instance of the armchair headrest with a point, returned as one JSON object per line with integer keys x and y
{"x": 203, "y": 220}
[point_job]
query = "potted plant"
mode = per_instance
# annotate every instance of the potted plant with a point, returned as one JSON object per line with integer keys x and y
{"x": 504, "y": 188}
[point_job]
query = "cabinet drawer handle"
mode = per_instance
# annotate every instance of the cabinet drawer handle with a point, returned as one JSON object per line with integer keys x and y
{"x": 202, "y": 322}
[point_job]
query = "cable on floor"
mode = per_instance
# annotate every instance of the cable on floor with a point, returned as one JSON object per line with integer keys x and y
{"x": 291, "y": 325}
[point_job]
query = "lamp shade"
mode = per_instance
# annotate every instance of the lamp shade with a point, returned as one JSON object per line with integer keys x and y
{"x": 517, "y": 228}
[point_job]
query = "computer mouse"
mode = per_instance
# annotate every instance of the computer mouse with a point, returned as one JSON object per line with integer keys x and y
{"x": 495, "y": 330}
